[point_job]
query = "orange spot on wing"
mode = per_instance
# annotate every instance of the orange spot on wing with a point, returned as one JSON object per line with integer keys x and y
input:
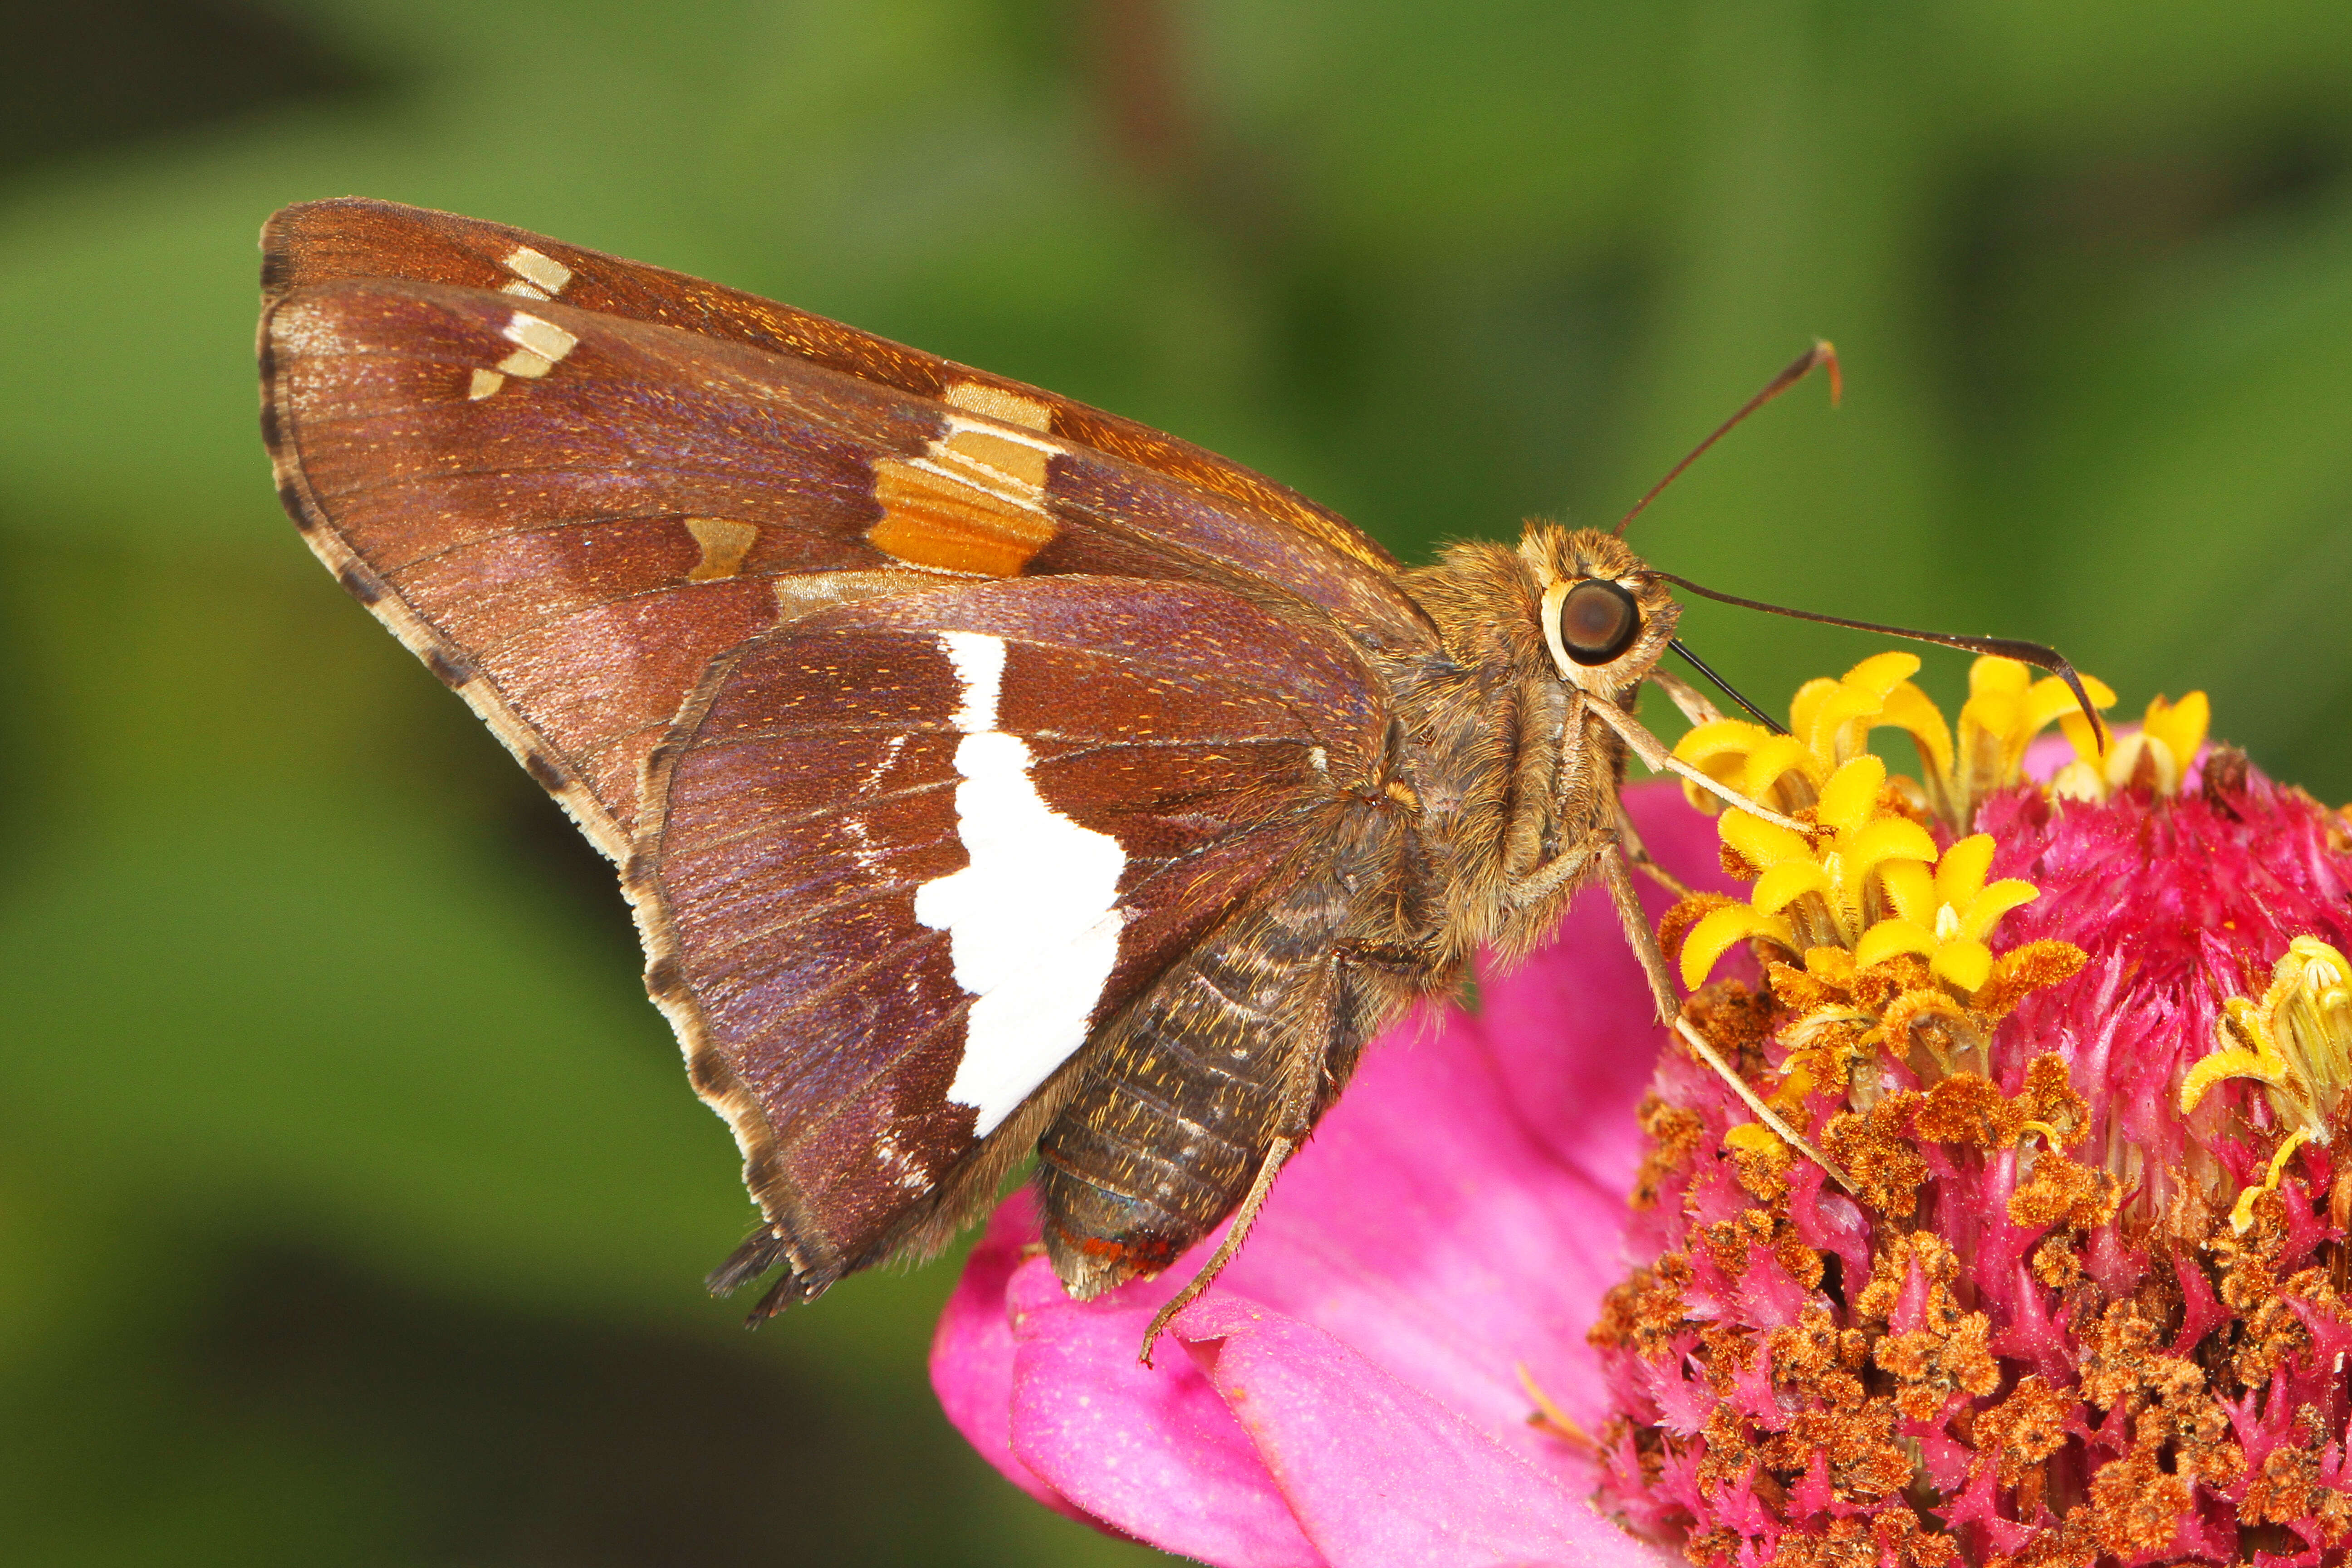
{"x": 975, "y": 500}
{"x": 929, "y": 520}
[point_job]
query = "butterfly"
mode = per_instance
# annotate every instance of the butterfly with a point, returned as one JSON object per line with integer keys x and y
{"x": 988, "y": 773}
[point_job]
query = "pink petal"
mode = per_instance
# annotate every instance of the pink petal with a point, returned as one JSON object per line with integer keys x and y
{"x": 1428, "y": 1229}
{"x": 1149, "y": 1450}
{"x": 2046, "y": 754}
{"x": 973, "y": 1350}
{"x": 1379, "y": 1472}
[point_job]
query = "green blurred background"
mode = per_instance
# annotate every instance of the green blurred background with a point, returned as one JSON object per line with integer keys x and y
{"x": 351, "y": 1202}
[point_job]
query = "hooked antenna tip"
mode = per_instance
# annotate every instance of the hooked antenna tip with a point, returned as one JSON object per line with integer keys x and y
{"x": 1825, "y": 352}
{"x": 1822, "y": 353}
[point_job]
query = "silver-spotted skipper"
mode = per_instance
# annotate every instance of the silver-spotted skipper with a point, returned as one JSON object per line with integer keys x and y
{"x": 987, "y": 772}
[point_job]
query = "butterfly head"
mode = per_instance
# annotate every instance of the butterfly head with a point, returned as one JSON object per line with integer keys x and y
{"x": 1607, "y": 618}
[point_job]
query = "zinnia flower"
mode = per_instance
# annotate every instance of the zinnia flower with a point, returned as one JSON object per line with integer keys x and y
{"x": 2052, "y": 1274}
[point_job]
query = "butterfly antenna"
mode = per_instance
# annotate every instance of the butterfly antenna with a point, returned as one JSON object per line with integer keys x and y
{"x": 1822, "y": 353}
{"x": 2032, "y": 653}
{"x": 1724, "y": 686}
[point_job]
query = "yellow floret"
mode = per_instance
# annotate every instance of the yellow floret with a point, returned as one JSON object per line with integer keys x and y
{"x": 1721, "y": 929}
{"x": 1831, "y": 721}
{"x": 2298, "y": 1044}
{"x": 1945, "y": 919}
{"x": 2005, "y": 710}
{"x": 1834, "y": 893}
{"x": 1829, "y": 724}
{"x": 2159, "y": 755}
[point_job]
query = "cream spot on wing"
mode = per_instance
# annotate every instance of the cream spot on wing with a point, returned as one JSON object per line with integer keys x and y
{"x": 902, "y": 1165}
{"x": 861, "y": 846}
{"x": 998, "y": 404}
{"x": 525, "y": 290}
{"x": 889, "y": 757}
{"x": 539, "y": 346}
{"x": 308, "y": 328}
{"x": 538, "y": 269}
{"x": 724, "y": 544}
{"x": 1033, "y": 920}
{"x": 485, "y": 383}
{"x": 812, "y": 591}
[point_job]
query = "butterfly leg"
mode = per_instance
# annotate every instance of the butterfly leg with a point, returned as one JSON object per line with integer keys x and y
{"x": 1546, "y": 880}
{"x": 1315, "y": 1044}
{"x": 1638, "y": 855}
{"x": 1618, "y": 879}
{"x": 1407, "y": 960}
{"x": 1655, "y": 757}
{"x": 1689, "y": 699}
{"x": 1277, "y": 1155}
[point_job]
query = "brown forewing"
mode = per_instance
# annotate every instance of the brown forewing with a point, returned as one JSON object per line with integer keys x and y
{"x": 810, "y": 792}
{"x": 574, "y": 547}
{"x": 322, "y": 242}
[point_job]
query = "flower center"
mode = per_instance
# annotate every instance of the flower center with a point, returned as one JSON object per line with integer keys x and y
{"x": 2068, "y": 1282}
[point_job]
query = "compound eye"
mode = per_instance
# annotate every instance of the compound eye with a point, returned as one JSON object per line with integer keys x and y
{"x": 1598, "y": 621}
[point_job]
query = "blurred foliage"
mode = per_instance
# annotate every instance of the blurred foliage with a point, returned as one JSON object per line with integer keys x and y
{"x": 350, "y": 1200}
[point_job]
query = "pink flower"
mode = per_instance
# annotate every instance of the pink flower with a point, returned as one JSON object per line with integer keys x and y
{"x": 1351, "y": 1392}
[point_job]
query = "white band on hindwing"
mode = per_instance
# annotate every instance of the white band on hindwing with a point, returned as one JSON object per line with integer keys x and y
{"x": 1034, "y": 920}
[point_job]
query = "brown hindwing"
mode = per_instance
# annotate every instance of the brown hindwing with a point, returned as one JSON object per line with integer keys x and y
{"x": 811, "y": 791}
